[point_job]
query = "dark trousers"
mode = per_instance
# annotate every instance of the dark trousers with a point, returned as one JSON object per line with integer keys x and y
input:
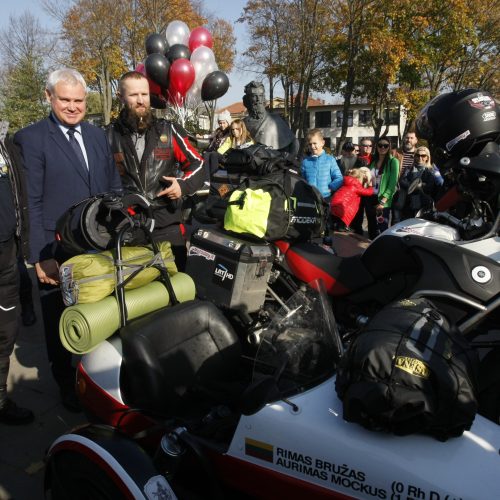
{"x": 59, "y": 358}
{"x": 25, "y": 283}
{"x": 367, "y": 206}
{"x": 9, "y": 309}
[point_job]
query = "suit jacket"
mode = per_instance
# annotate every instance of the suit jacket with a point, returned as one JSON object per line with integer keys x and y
{"x": 56, "y": 180}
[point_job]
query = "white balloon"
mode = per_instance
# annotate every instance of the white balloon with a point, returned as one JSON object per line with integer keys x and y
{"x": 204, "y": 71}
{"x": 193, "y": 96}
{"x": 177, "y": 32}
{"x": 202, "y": 55}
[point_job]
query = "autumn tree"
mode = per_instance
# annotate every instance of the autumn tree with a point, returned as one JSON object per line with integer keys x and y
{"x": 286, "y": 37}
{"x": 143, "y": 17}
{"x": 224, "y": 46}
{"x": 345, "y": 52}
{"x": 25, "y": 48}
{"x": 92, "y": 29}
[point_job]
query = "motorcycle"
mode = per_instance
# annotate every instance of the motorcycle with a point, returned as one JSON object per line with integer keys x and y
{"x": 187, "y": 409}
{"x": 189, "y": 402}
{"x": 452, "y": 256}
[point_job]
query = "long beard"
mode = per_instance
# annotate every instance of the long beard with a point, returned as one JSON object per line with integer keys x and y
{"x": 257, "y": 112}
{"x": 137, "y": 122}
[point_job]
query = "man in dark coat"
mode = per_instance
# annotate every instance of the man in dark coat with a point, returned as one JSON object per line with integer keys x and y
{"x": 155, "y": 159}
{"x": 66, "y": 160}
{"x": 13, "y": 232}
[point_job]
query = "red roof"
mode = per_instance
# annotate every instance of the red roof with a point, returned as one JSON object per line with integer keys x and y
{"x": 235, "y": 109}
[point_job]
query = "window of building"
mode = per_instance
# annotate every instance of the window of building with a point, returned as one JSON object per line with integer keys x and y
{"x": 339, "y": 118}
{"x": 323, "y": 119}
{"x": 391, "y": 116}
{"x": 365, "y": 117}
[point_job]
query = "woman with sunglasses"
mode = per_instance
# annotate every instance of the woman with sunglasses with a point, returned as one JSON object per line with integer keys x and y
{"x": 385, "y": 172}
{"x": 423, "y": 197}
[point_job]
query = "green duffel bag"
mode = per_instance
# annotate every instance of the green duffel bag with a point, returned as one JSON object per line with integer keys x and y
{"x": 90, "y": 277}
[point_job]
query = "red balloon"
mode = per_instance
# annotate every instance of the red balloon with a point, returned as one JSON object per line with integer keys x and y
{"x": 181, "y": 76}
{"x": 154, "y": 88}
{"x": 200, "y": 36}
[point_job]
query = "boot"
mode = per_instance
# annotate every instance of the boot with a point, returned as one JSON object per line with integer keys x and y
{"x": 28, "y": 314}
{"x": 11, "y": 414}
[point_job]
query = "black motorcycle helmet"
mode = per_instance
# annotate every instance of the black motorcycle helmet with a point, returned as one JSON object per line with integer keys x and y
{"x": 94, "y": 223}
{"x": 458, "y": 124}
{"x": 102, "y": 219}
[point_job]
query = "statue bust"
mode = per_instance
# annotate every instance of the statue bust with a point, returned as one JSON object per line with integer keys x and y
{"x": 264, "y": 127}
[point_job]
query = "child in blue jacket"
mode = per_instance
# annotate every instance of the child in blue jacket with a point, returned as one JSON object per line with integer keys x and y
{"x": 321, "y": 170}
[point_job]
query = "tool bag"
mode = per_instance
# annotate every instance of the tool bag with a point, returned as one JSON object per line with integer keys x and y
{"x": 278, "y": 205}
{"x": 410, "y": 372}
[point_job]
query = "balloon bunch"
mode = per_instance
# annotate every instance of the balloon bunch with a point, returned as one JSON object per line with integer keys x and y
{"x": 180, "y": 66}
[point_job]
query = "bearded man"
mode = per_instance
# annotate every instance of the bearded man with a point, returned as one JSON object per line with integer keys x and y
{"x": 410, "y": 141}
{"x": 155, "y": 159}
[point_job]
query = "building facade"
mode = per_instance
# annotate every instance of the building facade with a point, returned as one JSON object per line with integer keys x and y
{"x": 328, "y": 118}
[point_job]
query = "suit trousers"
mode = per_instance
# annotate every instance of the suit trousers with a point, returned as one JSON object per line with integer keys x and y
{"x": 9, "y": 308}
{"x": 60, "y": 359}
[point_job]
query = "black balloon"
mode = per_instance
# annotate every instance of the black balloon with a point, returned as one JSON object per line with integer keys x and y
{"x": 214, "y": 85}
{"x": 157, "y": 68}
{"x": 178, "y": 51}
{"x": 156, "y": 44}
{"x": 158, "y": 101}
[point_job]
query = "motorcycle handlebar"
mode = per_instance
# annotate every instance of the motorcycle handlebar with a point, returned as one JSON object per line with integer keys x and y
{"x": 468, "y": 229}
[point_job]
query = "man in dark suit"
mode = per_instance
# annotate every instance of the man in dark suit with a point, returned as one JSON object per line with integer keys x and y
{"x": 66, "y": 160}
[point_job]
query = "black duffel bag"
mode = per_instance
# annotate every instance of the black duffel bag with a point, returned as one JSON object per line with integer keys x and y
{"x": 257, "y": 159}
{"x": 410, "y": 372}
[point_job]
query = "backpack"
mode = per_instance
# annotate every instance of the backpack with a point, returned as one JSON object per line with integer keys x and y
{"x": 257, "y": 159}
{"x": 410, "y": 372}
{"x": 278, "y": 205}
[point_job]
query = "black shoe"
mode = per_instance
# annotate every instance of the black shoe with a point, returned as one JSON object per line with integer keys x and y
{"x": 28, "y": 315}
{"x": 11, "y": 414}
{"x": 70, "y": 400}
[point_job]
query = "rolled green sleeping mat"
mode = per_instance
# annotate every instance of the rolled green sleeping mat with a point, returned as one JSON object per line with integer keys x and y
{"x": 83, "y": 326}
{"x": 90, "y": 277}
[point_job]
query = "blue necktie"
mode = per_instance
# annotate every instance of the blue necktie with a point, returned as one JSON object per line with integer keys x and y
{"x": 76, "y": 148}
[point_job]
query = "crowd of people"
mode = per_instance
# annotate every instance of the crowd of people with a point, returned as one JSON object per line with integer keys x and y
{"x": 375, "y": 179}
{"x": 61, "y": 160}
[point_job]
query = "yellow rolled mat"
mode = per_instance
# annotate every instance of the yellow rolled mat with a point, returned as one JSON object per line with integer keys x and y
{"x": 83, "y": 326}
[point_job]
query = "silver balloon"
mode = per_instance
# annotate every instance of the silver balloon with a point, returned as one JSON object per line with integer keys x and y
{"x": 177, "y": 32}
{"x": 202, "y": 55}
{"x": 202, "y": 70}
{"x": 193, "y": 97}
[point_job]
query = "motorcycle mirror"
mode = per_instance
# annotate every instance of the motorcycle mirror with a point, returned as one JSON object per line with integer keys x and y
{"x": 258, "y": 394}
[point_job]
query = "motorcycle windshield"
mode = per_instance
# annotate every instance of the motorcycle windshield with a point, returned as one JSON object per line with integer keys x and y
{"x": 301, "y": 346}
